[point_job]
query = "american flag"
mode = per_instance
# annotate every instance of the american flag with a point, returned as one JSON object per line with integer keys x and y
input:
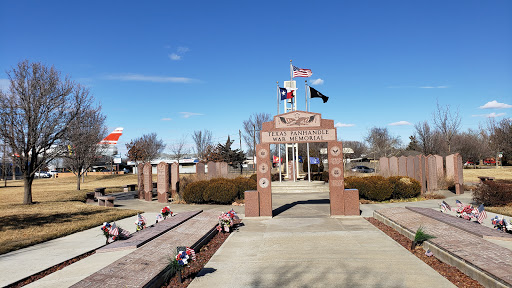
{"x": 459, "y": 204}
{"x": 447, "y": 206}
{"x": 113, "y": 230}
{"x": 298, "y": 72}
{"x": 192, "y": 253}
{"x": 482, "y": 214}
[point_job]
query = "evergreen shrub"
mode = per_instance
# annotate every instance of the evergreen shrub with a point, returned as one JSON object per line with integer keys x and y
{"x": 220, "y": 191}
{"x": 193, "y": 192}
{"x": 404, "y": 187}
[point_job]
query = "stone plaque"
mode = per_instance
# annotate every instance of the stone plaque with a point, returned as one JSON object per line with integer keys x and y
{"x": 410, "y": 166}
{"x": 336, "y": 172}
{"x": 200, "y": 171}
{"x": 402, "y": 166}
{"x": 263, "y": 182}
{"x": 393, "y": 166}
{"x": 384, "y": 167}
{"x": 335, "y": 151}
{"x": 337, "y": 183}
{"x": 299, "y": 136}
{"x": 222, "y": 169}
{"x": 263, "y": 153}
{"x": 263, "y": 167}
{"x": 162, "y": 182}
{"x": 212, "y": 170}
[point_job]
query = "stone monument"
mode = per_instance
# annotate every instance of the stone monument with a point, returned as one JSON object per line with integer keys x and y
{"x": 140, "y": 180}
{"x": 148, "y": 182}
{"x": 162, "y": 182}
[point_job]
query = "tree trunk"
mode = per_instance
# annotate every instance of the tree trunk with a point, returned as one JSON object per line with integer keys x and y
{"x": 27, "y": 196}
{"x": 78, "y": 176}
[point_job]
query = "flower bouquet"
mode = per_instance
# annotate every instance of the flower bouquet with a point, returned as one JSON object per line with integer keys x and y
{"x": 232, "y": 214}
{"x": 225, "y": 222}
{"x": 140, "y": 222}
{"x": 501, "y": 224}
{"x": 166, "y": 211}
{"x": 113, "y": 233}
{"x": 183, "y": 256}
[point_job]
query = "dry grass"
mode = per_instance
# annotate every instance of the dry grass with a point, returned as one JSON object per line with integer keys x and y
{"x": 505, "y": 210}
{"x": 504, "y": 173}
{"x": 57, "y": 211}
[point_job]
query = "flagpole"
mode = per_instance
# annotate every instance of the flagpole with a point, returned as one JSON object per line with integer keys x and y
{"x": 306, "y": 93}
{"x": 277, "y": 84}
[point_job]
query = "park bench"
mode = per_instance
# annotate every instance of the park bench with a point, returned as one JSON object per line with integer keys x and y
{"x": 129, "y": 187}
{"x": 485, "y": 178}
{"x": 89, "y": 197}
{"x": 107, "y": 201}
{"x": 98, "y": 192}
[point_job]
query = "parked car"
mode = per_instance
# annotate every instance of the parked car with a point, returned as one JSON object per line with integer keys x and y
{"x": 53, "y": 173}
{"x": 489, "y": 161}
{"x": 42, "y": 174}
{"x": 469, "y": 163}
{"x": 362, "y": 169}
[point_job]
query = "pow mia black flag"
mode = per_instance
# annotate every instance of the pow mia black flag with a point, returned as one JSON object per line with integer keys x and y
{"x": 316, "y": 94}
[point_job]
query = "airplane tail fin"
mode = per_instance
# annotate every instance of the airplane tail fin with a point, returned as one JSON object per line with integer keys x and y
{"x": 113, "y": 137}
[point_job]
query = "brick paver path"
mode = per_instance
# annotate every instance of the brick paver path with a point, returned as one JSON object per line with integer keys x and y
{"x": 141, "y": 267}
{"x": 472, "y": 227}
{"x": 493, "y": 259}
{"x": 140, "y": 238}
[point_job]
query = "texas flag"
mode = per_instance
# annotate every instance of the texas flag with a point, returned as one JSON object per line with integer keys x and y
{"x": 285, "y": 93}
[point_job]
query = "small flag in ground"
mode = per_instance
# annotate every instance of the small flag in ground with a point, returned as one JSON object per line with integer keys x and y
{"x": 459, "y": 204}
{"x": 315, "y": 94}
{"x": 113, "y": 230}
{"x": 482, "y": 214}
{"x": 192, "y": 253}
{"x": 299, "y": 72}
{"x": 447, "y": 206}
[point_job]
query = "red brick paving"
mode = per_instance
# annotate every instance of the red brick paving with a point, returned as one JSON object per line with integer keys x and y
{"x": 142, "y": 266}
{"x": 493, "y": 259}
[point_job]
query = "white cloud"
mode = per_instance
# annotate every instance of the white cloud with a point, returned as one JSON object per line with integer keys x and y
{"x": 399, "y": 123}
{"x": 182, "y": 50}
{"x": 166, "y": 119}
{"x": 189, "y": 114}
{"x": 4, "y": 84}
{"x": 490, "y": 115}
{"x": 317, "y": 82}
{"x": 144, "y": 78}
{"x": 339, "y": 124}
{"x": 495, "y": 105}
{"x": 433, "y": 87}
{"x": 174, "y": 56}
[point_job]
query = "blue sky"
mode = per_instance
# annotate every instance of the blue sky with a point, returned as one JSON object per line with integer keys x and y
{"x": 172, "y": 67}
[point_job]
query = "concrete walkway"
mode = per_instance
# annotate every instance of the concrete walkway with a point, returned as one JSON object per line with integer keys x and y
{"x": 314, "y": 252}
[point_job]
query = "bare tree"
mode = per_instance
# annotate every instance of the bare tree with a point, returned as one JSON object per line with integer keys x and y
{"x": 382, "y": 143}
{"x": 202, "y": 139}
{"x": 35, "y": 114}
{"x": 426, "y": 138}
{"x": 471, "y": 145}
{"x": 179, "y": 148}
{"x": 447, "y": 123}
{"x": 500, "y": 136}
{"x": 145, "y": 148}
{"x": 84, "y": 134}
{"x": 358, "y": 147}
{"x": 252, "y": 128}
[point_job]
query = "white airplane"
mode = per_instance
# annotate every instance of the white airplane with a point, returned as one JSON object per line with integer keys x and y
{"x": 108, "y": 143}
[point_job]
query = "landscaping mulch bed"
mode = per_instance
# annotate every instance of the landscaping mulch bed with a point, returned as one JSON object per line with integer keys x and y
{"x": 451, "y": 273}
{"x": 202, "y": 257}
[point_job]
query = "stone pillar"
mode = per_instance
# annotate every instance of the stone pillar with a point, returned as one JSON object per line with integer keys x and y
{"x": 384, "y": 167}
{"x": 450, "y": 167}
{"x": 417, "y": 170}
{"x": 162, "y": 182}
{"x": 264, "y": 179}
{"x": 212, "y": 170}
{"x": 402, "y": 166}
{"x": 140, "y": 180}
{"x": 393, "y": 166}
{"x": 440, "y": 166}
{"x": 458, "y": 173}
{"x": 432, "y": 173}
{"x": 175, "y": 179}
{"x": 148, "y": 182}
{"x": 410, "y": 166}
{"x": 423, "y": 173}
{"x": 200, "y": 171}
{"x": 336, "y": 178}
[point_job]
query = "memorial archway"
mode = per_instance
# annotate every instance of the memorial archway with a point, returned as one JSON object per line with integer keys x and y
{"x": 300, "y": 127}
